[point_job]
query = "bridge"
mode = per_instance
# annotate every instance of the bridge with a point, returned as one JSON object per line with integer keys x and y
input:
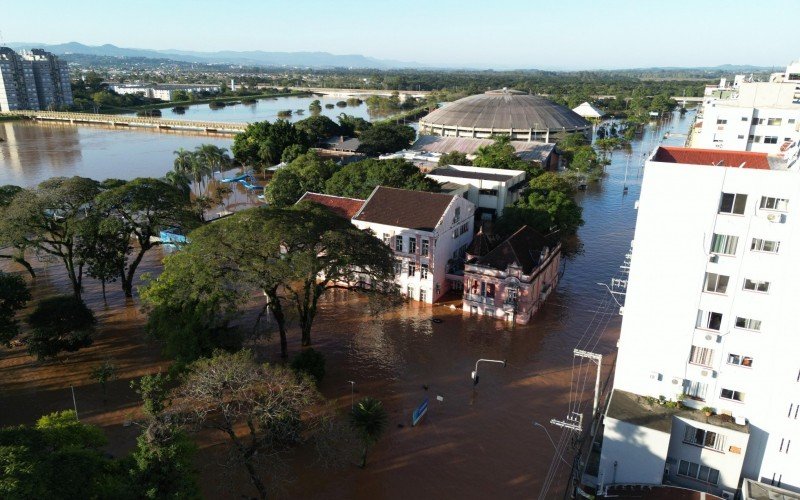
{"x": 131, "y": 121}
{"x": 361, "y": 92}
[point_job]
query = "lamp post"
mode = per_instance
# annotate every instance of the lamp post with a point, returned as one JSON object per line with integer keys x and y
{"x": 474, "y": 374}
{"x": 537, "y": 424}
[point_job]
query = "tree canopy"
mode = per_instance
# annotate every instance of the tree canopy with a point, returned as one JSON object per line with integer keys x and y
{"x": 318, "y": 128}
{"x": 501, "y": 154}
{"x": 14, "y": 294}
{"x": 547, "y": 206}
{"x": 359, "y": 179}
{"x": 262, "y": 143}
{"x": 385, "y": 137}
{"x": 308, "y": 172}
{"x": 58, "y": 324}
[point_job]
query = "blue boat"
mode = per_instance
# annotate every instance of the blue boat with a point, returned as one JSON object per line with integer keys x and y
{"x": 238, "y": 178}
{"x": 252, "y": 187}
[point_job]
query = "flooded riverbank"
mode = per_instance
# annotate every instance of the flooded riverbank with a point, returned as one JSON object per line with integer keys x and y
{"x": 478, "y": 442}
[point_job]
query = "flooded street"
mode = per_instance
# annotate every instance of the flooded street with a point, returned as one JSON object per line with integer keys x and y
{"x": 477, "y": 442}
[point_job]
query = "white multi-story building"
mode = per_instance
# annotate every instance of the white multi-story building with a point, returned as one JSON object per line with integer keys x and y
{"x": 751, "y": 116}
{"x": 427, "y": 231}
{"x": 490, "y": 189}
{"x": 162, "y": 91}
{"x": 17, "y": 83}
{"x": 709, "y": 319}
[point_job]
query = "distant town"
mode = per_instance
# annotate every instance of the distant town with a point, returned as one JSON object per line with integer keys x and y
{"x": 220, "y": 280}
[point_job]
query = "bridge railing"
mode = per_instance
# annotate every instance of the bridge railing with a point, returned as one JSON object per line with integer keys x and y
{"x": 111, "y": 119}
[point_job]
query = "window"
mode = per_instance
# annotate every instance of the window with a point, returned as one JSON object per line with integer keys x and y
{"x": 739, "y": 360}
{"x": 757, "y": 121}
{"x": 709, "y": 320}
{"x": 748, "y": 324}
{"x": 769, "y": 203}
{"x": 387, "y": 238}
{"x": 716, "y": 283}
{"x": 410, "y": 292}
{"x": 695, "y": 390}
{"x": 721, "y": 121}
{"x": 704, "y": 438}
{"x": 740, "y": 136}
{"x": 756, "y": 286}
{"x": 732, "y": 395}
{"x": 774, "y": 121}
{"x": 422, "y": 294}
{"x": 458, "y": 215}
{"x": 745, "y": 118}
{"x": 754, "y": 138}
{"x": 412, "y": 269}
{"x": 489, "y": 192}
{"x": 759, "y": 245}
{"x": 398, "y": 243}
{"x": 732, "y": 203}
{"x": 770, "y": 139}
{"x": 423, "y": 271}
{"x": 791, "y": 120}
{"x": 701, "y": 356}
{"x": 724, "y": 244}
{"x": 796, "y": 408}
{"x": 424, "y": 249}
{"x": 699, "y": 472}
{"x": 398, "y": 267}
{"x": 412, "y": 245}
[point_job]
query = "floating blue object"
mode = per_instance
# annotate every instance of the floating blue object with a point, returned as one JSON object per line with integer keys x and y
{"x": 419, "y": 413}
{"x": 172, "y": 236}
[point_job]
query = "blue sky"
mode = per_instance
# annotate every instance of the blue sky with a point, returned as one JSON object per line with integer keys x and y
{"x": 499, "y": 34}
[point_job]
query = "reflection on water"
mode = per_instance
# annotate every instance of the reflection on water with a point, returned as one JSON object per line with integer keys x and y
{"x": 33, "y": 152}
{"x": 267, "y": 109}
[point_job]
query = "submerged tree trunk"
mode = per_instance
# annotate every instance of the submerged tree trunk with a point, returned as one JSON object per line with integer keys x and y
{"x": 127, "y": 277}
{"x": 364, "y": 457}
{"x": 275, "y": 307}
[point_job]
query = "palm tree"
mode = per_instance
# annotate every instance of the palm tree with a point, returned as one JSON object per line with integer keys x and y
{"x": 369, "y": 420}
{"x": 179, "y": 180}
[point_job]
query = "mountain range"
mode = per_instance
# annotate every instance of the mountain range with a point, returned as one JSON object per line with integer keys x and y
{"x": 248, "y": 58}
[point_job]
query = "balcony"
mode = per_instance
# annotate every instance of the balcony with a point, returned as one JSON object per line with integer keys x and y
{"x": 480, "y": 299}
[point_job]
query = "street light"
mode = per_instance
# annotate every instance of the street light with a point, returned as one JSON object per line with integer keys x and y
{"x": 475, "y": 377}
{"x": 537, "y": 424}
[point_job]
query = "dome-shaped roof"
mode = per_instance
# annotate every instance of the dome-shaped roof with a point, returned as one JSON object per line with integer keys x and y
{"x": 504, "y": 110}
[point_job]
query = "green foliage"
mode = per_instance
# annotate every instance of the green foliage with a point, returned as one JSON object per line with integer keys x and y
{"x": 318, "y": 128}
{"x": 454, "y": 158}
{"x": 315, "y": 107}
{"x": 104, "y": 246}
{"x": 351, "y": 125}
{"x": 292, "y": 152}
{"x": 60, "y": 323}
{"x": 370, "y": 420}
{"x": 262, "y": 143}
{"x": 308, "y": 172}
{"x": 14, "y": 294}
{"x": 153, "y": 391}
{"x": 385, "y": 137}
{"x": 359, "y": 179}
{"x": 162, "y": 464}
{"x": 58, "y": 458}
{"x": 548, "y": 206}
{"x": 104, "y": 373}
{"x": 500, "y": 154}
{"x": 311, "y": 362}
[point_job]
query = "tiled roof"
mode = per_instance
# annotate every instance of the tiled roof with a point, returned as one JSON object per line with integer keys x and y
{"x": 343, "y": 207}
{"x": 717, "y": 157}
{"x": 522, "y": 249}
{"x": 419, "y": 210}
{"x": 526, "y": 150}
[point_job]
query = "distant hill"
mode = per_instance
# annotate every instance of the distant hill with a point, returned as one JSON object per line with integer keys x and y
{"x": 249, "y": 58}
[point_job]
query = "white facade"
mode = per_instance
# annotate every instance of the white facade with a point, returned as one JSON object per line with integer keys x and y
{"x": 713, "y": 285}
{"x": 490, "y": 189}
{"x": 422, "y": 256}
{"x": 164, "y": 92}
{"x": 750, "y": 116}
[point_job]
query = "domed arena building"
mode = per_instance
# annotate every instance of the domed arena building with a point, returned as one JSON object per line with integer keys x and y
{"x": 523, "y": 116}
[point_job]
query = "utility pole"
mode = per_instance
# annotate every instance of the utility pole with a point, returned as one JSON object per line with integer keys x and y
{"x": 598, "y": 360}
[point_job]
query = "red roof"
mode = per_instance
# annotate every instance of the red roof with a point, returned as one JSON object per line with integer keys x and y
{"x": 716, "y": 157}
{"x": 343, "y": 207}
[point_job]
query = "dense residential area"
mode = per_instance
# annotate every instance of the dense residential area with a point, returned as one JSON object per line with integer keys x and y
{"x": 273, "y": 273}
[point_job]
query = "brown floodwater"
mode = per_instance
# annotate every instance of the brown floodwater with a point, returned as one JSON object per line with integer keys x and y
{"x": 477, "y": 442}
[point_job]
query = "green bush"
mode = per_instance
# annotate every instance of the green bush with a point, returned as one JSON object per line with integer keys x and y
{"x": 310, "y": 362}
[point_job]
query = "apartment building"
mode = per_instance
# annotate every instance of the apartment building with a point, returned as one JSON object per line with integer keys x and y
{"x": 751, "y": 116}
{"x": 426, "y": 231}
{"x": 490, "y": 189}
{"x": 709, "y": 321}
{"x": 17, "y": 83}
{"x": 162, "y": 91}
{"x": 51, "y": 78}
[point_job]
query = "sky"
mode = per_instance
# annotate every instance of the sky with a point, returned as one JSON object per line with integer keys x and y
{"x": 496, "y": 34}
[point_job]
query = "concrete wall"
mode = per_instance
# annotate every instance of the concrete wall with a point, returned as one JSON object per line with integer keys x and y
{"x": 639, "y": 452}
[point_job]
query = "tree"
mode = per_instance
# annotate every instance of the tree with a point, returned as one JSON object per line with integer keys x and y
{"x": 14, "y": 294}
{"x": 262, "y": 143}
{"x": 385, "y": 137}
{"x": 501, "y": 154}
{"x": 49, "y": 219}
{"x": 11, "y": 237}
{"x": 308, "y": 172}
{"x": 369, "y": 420}
{"x": 230, "y": 391}
{"x": 104, "y": 373}
{"x": 212, "y": 158}
{"x": 104, "y": 246}
{"x": 58, "y": 457}
{"x": 292, "y": 152}
{"x": 358, "y": 179}
{"x": 145, "y": 206}
{"x": 310, "y": 362}
{"x": 315, "y": 107}
{"x": 351, "y": 125}
{"x": 318, "y": 128}
{"x": 454, "y": 158}
{"x": 548, "y": 206}
{"x": 60, "y": 323}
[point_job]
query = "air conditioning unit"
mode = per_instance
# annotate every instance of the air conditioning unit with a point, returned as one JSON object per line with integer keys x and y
{"x": 677, "y": 381}
{"x": 713, "y": 258}
{"x": 727, "y": 495}
{"x": 621, "y": 311}
{"x": 709, "y": 373}
{"x": 776, "y": 218}
{"x": 655, "y": 376}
